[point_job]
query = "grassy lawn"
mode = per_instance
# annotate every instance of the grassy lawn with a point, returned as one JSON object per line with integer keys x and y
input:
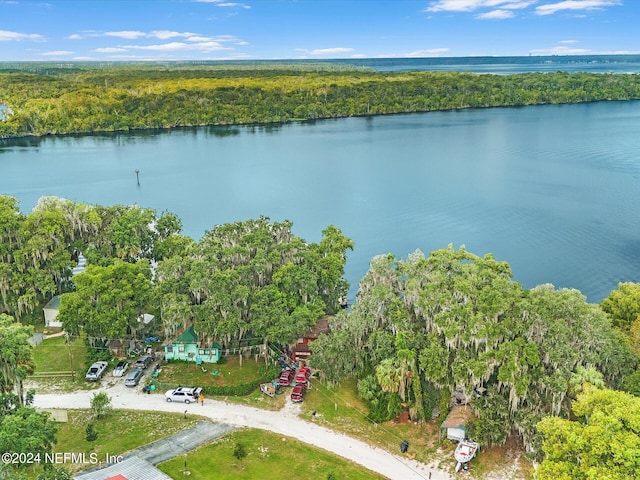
{"x": 55, "y": 355}
{"x": 229, "y": 372}
{"x": 258, "y": 399}
{"x": 340, "y": 408}
{"x": 118, "y": 432}
{"x": 269, "y": 457}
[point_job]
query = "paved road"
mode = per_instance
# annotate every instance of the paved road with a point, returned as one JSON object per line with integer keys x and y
{"x": 181, "y": 442}
{"x": 285, "y": 422}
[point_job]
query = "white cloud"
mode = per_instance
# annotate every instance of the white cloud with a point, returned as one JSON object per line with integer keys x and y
{"x": 471, "y": 5}
{"x": 109, "y": 50}
{"x": 562, "y": 50}
{"x": 551, "y": 8}
{"x": 198, "y": 38}
{"x": 223, "y": 3}
{"x": 180, "y": 47}
{"x": 75, "y": 36}
{"x": 327, "y": 51}
{"x": 430, "y": 52}
{"x": 57, "y": 53}
{"x": 496, "y": 15}
{"x": 85, "y": 59}
{"x": 518, "y": 5}
{"x": 128, "y": 34}
{"x": 568, "y": 41}
{"x": 167, "y": 34}
{"x": 6, "y": 36}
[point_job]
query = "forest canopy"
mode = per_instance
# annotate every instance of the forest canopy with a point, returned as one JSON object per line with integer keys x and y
{"x": 451, "y": 326}
{"x": 425, "y": 332}
{"x": 253, "y": 278}
{"x": 81, "y": 99}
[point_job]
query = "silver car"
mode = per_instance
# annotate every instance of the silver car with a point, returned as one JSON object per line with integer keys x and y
{"x": 121, "y": 368}
{"x": 96, "y": 371}
{"x": 133, "y": 378}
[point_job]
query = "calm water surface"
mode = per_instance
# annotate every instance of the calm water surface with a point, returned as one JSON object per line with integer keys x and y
{"x": 553, "y": 190}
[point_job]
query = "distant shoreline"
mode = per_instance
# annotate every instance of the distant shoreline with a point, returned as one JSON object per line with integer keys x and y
{"x": 157, "y": 97}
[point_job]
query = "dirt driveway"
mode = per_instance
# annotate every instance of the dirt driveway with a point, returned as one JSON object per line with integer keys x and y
{"x": 285, "y": 422}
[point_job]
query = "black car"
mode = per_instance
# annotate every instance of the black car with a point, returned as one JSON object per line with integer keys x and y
{"x": 143, "y": 362}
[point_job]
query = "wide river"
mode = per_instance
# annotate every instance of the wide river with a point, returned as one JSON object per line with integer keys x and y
{"x": 553, "y": 190}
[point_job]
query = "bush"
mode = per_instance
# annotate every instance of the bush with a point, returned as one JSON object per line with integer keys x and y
{"x": 383, "y": 406}
{"x": 239, "y": 451}
{"x": 97, "y": 353}
{"x": 91, "y": 434}
{"x": 242, "y": 389}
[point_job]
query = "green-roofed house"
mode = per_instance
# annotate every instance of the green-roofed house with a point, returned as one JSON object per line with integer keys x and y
{"x": 51, "y": 312}
{"x": 185, "y": 346}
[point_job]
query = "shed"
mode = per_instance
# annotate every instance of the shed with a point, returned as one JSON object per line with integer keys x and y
{"x": 455, "y": 423}
{"x": 51, "y": 312}
{"x": 186, "y": 346}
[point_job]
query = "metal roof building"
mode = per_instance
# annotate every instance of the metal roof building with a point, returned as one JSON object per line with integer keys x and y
{"x": 131, "y": 468}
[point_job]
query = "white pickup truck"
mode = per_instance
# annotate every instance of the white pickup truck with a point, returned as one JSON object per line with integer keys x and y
{"x": 96, "y": 371}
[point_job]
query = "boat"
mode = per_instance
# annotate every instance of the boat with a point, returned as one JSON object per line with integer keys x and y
{"x": 465, "y": 451}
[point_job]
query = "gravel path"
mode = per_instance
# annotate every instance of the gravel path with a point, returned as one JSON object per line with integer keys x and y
{"x": 285, "y": 422}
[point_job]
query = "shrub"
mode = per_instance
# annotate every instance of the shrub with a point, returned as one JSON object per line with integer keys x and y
{"x": 91, "y": 434}
{"x": 239, "y": 451}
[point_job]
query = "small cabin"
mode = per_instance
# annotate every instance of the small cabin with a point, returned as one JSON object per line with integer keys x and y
{"x": 301, "y": 350}
{"x": 456, "y": 423}
{"x": 185, "y": 346}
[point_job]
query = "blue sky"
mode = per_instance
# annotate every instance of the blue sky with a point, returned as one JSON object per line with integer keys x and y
{"x": 115, "y": 30}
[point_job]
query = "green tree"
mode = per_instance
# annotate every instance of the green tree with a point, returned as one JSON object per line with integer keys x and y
{"x": 108, "y": 301}
{"x": 100, "y": 404}
{"x": 623, "y": 305}
{"x": 16, "y": 356}
{"x": 455, "y": 323}
{"x": 603, "y": 443}
{"x": 251, "y": 279}
{"x": 27, "y": 430}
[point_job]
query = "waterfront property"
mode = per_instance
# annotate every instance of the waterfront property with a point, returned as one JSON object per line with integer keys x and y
{"x": 186, "y": 346}
{"x": 539, "y": 187}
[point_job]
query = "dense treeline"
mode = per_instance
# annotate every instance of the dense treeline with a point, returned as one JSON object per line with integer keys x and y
{"x": 428, "y": 330}
{"x": 247, "y": 279}
{"x": 151, "y": 97}
{"x": 424, "y": 332}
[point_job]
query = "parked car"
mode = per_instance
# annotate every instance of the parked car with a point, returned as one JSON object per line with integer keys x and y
{"x": 96, "y": 371}
{"x": 302, "y": 377}
{"x": 183, "y": 394}
{"x": 121, "y": 368}
{"x": 297, "y": 394}
{"x": 143, "y": 362}
{"x": 133, "y": 377}
{"x": 286, "y": 377}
